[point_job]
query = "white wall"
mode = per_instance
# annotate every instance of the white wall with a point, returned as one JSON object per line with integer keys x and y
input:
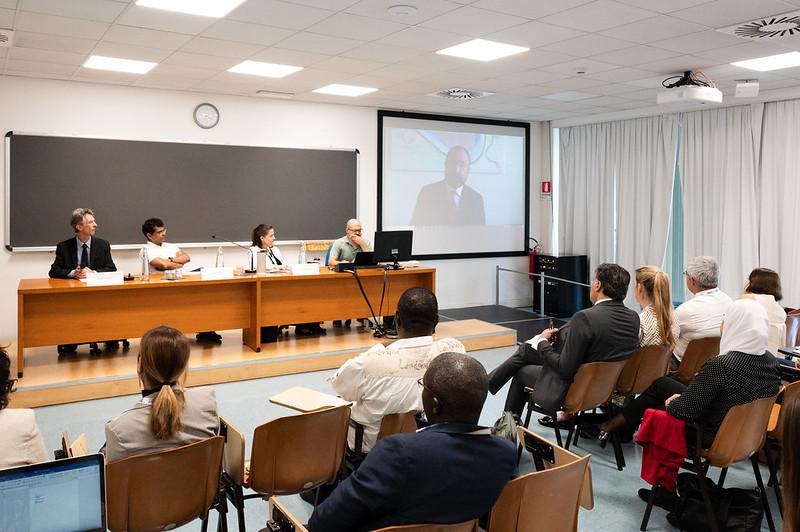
{"x": 64, "y": 108}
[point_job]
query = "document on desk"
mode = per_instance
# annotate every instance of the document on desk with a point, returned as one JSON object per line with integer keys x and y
{"x": 305, "y": 269}
{"x": 306, "y": 399}
{"x": 214, "y": 274}
{"x": 104, "y": 279}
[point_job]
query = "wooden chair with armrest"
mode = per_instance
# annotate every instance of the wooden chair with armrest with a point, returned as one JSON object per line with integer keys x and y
{"x": 739, "y": 437}
{"x": 290, "y": 454}
{"x": 697, "y": 353}
{"x": 774, "y": 440}
{"x": 390, "y": 424}
{"x": 645, "y": 366}
{"x": 591, "y": 388}
{"x": 547, "y": 499}
{"x": 166, "y": 489}
{"x": 793, "y": 328}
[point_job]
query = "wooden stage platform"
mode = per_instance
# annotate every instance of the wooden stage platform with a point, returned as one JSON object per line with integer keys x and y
{"x": 49, "y": 380}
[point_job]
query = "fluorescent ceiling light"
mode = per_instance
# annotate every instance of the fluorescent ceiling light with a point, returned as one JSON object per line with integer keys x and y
{"x": 483, "y": 50}
{"x": 100, "y": 62}
{"x": 771, "y": 62}
{"x": 268, "y": 70}
{"x": 203, "y": 8}
{"x": 344, "y": 90}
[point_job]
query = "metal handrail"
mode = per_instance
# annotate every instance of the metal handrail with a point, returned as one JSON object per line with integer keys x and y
{"x": 543, "y": 276}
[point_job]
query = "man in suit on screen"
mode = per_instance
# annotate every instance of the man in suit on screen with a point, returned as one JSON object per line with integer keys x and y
{"x": 450, "y": 201}
{"x": 84, "y": 253}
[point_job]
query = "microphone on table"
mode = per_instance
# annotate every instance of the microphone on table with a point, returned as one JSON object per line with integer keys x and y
{"x": 249, "y": 251}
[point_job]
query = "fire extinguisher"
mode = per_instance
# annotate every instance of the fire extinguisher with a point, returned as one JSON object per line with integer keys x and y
{"x": 535, "y": 248}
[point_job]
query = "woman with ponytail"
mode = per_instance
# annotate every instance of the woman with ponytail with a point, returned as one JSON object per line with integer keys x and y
{"x": 168, "y": 415}
{"x": 652, "y": 292}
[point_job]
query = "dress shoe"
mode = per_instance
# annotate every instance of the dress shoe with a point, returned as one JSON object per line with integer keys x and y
{"x": 548, "y": 421}
{"x": 337, "y": 323}
{"x": 208, "y": 336}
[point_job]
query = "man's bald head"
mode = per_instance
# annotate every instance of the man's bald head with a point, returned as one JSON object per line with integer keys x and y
{"x": 455, "y": 388}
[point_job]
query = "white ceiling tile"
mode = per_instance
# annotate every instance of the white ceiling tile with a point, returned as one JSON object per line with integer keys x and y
{"x": 129, "y": 51}
{"x": 568, "y": 96}
{"x": 45, "y": 56}
{"x": 534, "y": 34}
{"x": 532, "y": 76}
{"x": 473, "y": 22}
{"x": 16, "y": 66}
{"x": 232, "y": 30}
{"x": 587, "y": 45}
{"x": 348, "y": 66}
{"x": 68, "y": 27}
{"x": 371, "y": 80}
{"x": 158, "y": 19}
{"x": 279, "y": 14}
{"x": 721, "y": 13}
{"x": 664, "y": 6}
{"x": 8, "y": 4}
{"x": 654, "y": 29}
{"x": 615, "y": 89}
{"x": 540, "y": 57}
{"x": 356, "y": 27}
{"x": 6, "y": 18}
{"x": 580, "y": 67}
{"x": 381, "y": 52}
{"x": 325, "y": 4}
{"x": 153, "y": 81}
{"x": 741, "y": 52}
{"x": 424, "y": 39}
{"x": 678, "y": 64}
{"x": 200, "y": 61}
{"x": 697, "y": 42}
{"x": 3, "y": 53}
{"x": 100, "y": 10}
{"x": 284, "y": 56}
{"x": 575, "y": 83}
{"x": 43, "y": 41}
{"x": 204, "y": 45}
{"x": 635, "y": 55}
{"x": 145, "y": 37}
{"x": 597, "y": 16}
{"x": 528, "y": 8}
{"x": 426, "y": 9}
{"x": 620, "y": 75}
{"x": 321, "y": 44}
{"x": 105, "y": 76}
{"x": 166, "y": 70}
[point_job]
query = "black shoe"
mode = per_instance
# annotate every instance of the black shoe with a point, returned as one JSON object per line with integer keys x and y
{"x": 548, "y": 421}
{"x": 208, "y": 336}
{"x": 664, "y": 499}
{"x": 112, "y": 344}
{"x": 303, "y": 331}
{"x": 347, "y": 323}
{"x": 67, "y": 349}
{"x": 337, "y": 323}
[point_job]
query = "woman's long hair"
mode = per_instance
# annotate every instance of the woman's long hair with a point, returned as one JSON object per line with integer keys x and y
{"x": 164, "y": 357}
{"x": 656, "y": 284}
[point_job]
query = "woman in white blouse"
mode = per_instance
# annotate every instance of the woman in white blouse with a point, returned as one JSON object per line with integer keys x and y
{"x": 657, "y": 322}
{"x": 264, "y": 241}
{"x": 764, "y": 285}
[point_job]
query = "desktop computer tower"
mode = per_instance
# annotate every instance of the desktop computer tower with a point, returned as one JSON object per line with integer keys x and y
{"x": 562, "y": 300}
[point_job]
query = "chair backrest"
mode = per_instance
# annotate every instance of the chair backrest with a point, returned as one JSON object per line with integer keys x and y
{"x": 542, "y": 500}
{"x": 163, "y": 490}
{"x": 792, "y": 329}
{"x": 300, "y": 452}
{"x": 397, "y": 423}
{"x": 233, "y": 455}
{"x": 646, "y": 365}
{"x": 467, "y": 526}
{"x": 741, "y": 434}
{"x": 697, "y": 353}
{"x": 328, "y": 254}
{"x": 789, "y": 392}
{"x": 593, "y": 384}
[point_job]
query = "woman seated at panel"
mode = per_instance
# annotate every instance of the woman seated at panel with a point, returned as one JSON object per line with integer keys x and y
{"x": 657, "y": 324}
{"x": 743, "y": 372}
{"x": 20, "y": 440}
{"x": 764, "y": 285}
{"x": 168, "y": 415}
{"x": 264, "y": 241}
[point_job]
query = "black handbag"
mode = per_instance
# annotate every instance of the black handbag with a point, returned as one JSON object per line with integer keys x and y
{"x": 736, "y": 509}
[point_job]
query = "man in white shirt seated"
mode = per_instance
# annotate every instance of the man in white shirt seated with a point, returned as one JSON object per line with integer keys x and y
{"x": 701, "y": 316}
{"x": 383, "y": 380}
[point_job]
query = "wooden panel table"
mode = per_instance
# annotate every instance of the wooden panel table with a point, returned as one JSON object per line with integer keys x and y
{"x": 66, "y": 311}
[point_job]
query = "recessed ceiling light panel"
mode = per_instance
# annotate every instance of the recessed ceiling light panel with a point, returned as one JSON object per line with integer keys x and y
{"x": 99, "y": 62}
{"x": 483, "y": 50}
{"x": 771, "y": 62}
{"x": 203, "y": 8}
{"x": 267, "y": 70}
{"x": 338, "y": 89}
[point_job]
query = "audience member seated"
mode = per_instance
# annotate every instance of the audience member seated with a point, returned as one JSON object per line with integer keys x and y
{"x": 764, "y": 285}
{"x": 657, "y": 325}
{"x": 168, "y": 415}
{"x": 790, "y": 472}
{"x": 743, "y": 372}
{"x": 383, "y": 380}
{"x": 700, "y": 316}
{"x": 20, "y": 440}
{"x": 608, "y": 331}
{"x": 449, "y": 472}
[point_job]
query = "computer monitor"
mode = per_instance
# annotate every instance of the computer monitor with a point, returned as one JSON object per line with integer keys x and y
{"x": 393, "y": 246}
{"x": 64, "y": 494}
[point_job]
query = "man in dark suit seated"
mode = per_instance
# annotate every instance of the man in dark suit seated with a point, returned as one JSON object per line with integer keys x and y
{"x": 82, "y": 254}
{"x": 607, "y": 331}
{"x": 449, "y": 472}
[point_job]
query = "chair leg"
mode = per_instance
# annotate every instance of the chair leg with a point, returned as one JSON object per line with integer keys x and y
{"x": 650, "y": 501}
{"x": 722, "y": 474}
{"x": 558, "y": 437}
{"x": 204, "y": 525}
{"x": 760, "y": 482}
{"x": 222, "y": 512}
{"x": 528, "y": 416}
{"x": 618, "y": 455}
{"x": 701, "y": 479}
{"x": 577, "y": 430}
{"x": 239, "y": 495}
{"x": 773, "y": 475}
{"x": 571, "y": 432}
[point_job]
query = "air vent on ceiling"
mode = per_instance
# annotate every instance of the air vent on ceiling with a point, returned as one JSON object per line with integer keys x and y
{"x": 275, "y": 94}
{"x": 6, "y": 38}
{"x": 768, "y": 28}
{"x": 461, "y": 94}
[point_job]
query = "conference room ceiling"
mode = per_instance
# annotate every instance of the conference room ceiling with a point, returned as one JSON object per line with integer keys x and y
{"x": 624, "y": 48}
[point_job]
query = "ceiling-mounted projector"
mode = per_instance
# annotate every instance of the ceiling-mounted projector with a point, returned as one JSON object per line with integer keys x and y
{"x": 688, "y": 89}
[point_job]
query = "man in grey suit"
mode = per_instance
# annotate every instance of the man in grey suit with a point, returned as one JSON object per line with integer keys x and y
{"x": 607, "y": 331}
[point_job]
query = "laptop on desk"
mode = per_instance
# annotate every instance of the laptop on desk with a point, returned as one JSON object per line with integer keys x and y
{"x": 60, "y": 495}
{"x": 365, "y": 259}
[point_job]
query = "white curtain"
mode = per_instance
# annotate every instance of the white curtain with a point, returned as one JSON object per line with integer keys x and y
{"x": 719, "y": 169}
{"x": 780, "y": 195}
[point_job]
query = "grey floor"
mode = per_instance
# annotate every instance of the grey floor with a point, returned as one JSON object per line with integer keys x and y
{"x": 245, "y": 404}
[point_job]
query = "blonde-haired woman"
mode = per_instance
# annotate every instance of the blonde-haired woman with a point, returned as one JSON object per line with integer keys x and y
{"x": 657, "y": 324}
{"x": 168, "y": 415}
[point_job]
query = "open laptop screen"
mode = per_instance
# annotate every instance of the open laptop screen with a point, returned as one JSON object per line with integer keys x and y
{"x": 53, "y": 496}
